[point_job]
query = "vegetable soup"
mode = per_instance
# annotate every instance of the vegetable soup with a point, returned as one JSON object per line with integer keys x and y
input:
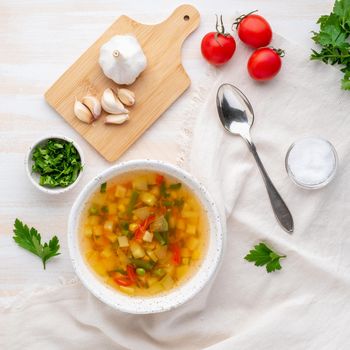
{"x": 144, "y": 233}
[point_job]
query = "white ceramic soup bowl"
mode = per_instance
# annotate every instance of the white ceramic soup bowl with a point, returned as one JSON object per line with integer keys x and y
{"x": 175, "y": 297}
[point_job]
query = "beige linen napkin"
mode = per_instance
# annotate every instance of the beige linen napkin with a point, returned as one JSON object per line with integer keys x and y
{"x": 303, "y": 306}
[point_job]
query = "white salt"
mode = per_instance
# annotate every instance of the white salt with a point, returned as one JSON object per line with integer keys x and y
{"x": 312, "y": 161}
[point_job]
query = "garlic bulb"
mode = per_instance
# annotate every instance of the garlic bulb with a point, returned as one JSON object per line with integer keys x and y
{"x": 116, "y": 119}
{"x": 93, "y": 104}
{"x": 82, "y": 112}
{"x": 111, "y": 104}
{"x": 122, "y": 59}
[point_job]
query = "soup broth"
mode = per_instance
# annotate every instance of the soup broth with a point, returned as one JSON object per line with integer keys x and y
{"x": 143, "y": 233}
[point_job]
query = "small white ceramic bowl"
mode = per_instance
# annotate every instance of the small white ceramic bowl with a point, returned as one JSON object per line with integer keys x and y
{"x": 176, "y": 296}
{"x": 34, "y": 177}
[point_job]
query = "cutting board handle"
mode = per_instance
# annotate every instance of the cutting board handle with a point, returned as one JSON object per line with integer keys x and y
{"x": 182, "y": 22}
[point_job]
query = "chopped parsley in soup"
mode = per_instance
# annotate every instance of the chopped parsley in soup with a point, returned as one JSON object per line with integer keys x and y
{"x": 144, "y": 233}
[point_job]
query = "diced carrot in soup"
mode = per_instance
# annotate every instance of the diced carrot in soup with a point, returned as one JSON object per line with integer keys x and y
{"x": 145, "y": 235}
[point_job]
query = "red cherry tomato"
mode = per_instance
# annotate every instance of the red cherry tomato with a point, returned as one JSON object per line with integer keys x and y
{"x": 264, "y": 63}
{"x": 254, "y": 30}
{"x": 218, "y": 47}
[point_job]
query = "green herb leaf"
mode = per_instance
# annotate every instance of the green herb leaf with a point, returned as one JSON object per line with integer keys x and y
{"x": 176, "y": 186}
{"x": 333, "y": 38}
{"x": 263, "y": 255}
{"x": 103, "y": 187}
{"x": 162, "y": 190}
{"x": 57, "y": 162}
{"x": 30, "y": 240}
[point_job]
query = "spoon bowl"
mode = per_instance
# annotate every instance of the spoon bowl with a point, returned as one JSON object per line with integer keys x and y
{"x": 237, "y": 116}
{"x": 235, "y": 111}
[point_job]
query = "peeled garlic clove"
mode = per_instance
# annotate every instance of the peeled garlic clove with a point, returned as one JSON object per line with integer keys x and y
{"x": 93, "y": 104}
{"x": 82, "y": 112}
{"x": 126, "y": 96}
{"x": 111, "y": 104}
{"x": 116, "y": 119}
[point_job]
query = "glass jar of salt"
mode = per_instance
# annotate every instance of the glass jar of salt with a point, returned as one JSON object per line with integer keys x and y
{"x": 311, "y": 162}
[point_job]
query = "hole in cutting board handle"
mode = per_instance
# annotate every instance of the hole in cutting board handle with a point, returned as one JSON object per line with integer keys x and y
{"x": 186, "y": 18}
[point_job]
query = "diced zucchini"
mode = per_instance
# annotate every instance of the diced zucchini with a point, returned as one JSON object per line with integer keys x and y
{"x": 181, "y": 271}
{"x": 142, "y": 213}
{"x": 123, "y": 241}
{"x": 127, "y": 290}
{"x": 151, "y": 178}
{"x": 192, "y": 243}
{"x": 88, "y": 231}
{"x": 167, "y": 282}
{"x": 108, "y": 225}
{"x": 94, "y": 220}
{"x": 155, "y": 191}
{"x": 148, "y": 236}
{"x": 100, "y": 269}
{"x": 112, "y": 209}
{"x": 185, "y": 261}
{"x": 97, "y": 230}
{"x": 152, "y": 255}
{"x": 106, "y": 253}
{"x": 191, "y": 229}
{"x": 120, "y": 191}
{"x": 155, "y": 288}
{"x": 136, "y": 250}
{"x": 172, "y": 222}
{"x": 121, "y": 208}
{"x": 112, "y": 237}
{"x": 181, "y": 225}
{"x": 189, "y": 214}
{"x": 170, "y": 270}
{"x": 148, "y": 198}
{"x": 196, "y": 254}
{"x": 161, "y": 252}
{"x": 109, "y": 263}
{"x": 160, "y": 224}
{"x": 159, "y": 272}
{"x": 152, "y": 280}
{"x": 185, "y": 252}
{"x": 140, "y": 183}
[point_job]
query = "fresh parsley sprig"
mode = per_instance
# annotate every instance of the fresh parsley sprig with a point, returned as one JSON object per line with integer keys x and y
{"x": 333, "y": 37}
{"x": 30, "y": 240}
{"x": 263, "y": 255}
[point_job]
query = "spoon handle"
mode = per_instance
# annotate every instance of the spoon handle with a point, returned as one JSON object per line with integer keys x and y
{"x": 280, "y": 209}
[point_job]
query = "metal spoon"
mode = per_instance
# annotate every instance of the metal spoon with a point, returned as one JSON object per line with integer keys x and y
{"x": 237, "y": 116}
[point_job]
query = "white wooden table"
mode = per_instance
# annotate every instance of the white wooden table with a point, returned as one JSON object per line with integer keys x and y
{"x": 39, "y": 40}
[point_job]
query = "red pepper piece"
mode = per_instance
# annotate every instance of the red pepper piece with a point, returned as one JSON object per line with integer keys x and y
{"x": 130, "y": 270}
{"x": 125, "y": 282}
{"x": 175, "y": 250}
{"x": 140, "y": 231}
{"x": 159, "y": 179}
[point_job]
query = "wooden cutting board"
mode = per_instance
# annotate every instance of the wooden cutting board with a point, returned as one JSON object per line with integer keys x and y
{"x": 159, "y": 85}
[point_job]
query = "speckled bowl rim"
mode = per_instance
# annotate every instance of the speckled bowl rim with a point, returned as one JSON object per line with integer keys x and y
{"x": 28, "y": 165}
{"x": 181, "y": 294}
